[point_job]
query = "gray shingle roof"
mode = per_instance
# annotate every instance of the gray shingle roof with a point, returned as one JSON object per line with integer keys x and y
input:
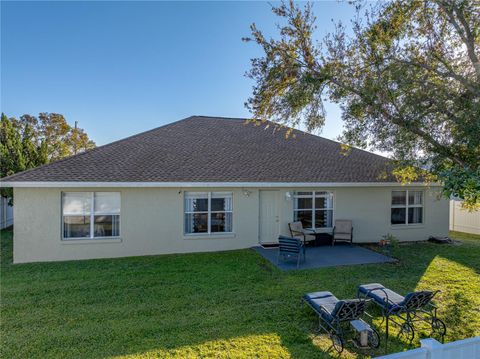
{"x": 212, "y": 149}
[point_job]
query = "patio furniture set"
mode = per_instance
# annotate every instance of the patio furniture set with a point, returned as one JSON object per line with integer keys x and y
{"x": 342, "y": 318}
{"x": 342, "y": 231}
{"x": 294, "y": 246}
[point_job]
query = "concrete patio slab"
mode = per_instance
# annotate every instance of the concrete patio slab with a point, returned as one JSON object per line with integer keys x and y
{"x": 326, "y": 256}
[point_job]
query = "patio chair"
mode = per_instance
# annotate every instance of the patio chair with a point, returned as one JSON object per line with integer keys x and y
{"x": 290, "y": 247}
{"x": 297, "y": 231}
{"x": 405, "y": 312}
{"x": 342, "y": 231}
{"x": 334, "y": 315}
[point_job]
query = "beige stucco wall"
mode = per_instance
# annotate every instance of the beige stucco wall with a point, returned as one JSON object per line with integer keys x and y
{"x": 152, "y": 222}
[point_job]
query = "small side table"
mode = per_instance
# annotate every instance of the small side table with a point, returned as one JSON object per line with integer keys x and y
{"x": 323, "y": 239}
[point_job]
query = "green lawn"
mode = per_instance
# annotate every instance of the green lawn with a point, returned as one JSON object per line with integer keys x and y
{"x": 228, "y": 304}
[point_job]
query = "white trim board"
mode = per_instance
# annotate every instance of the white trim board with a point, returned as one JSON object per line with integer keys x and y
{"x": 211, "y": 184}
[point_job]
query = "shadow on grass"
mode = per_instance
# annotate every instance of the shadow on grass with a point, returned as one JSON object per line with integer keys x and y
{"x": 210, "y": 304}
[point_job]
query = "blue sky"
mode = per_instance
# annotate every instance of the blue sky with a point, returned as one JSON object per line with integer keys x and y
{"x": 120, "y": 68}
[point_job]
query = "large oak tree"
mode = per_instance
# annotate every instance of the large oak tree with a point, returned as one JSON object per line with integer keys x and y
{"x": 406, "y": 76}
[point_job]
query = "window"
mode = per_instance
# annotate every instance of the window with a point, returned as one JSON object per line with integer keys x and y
{"x": 208, "y": 212}
{"x": 407, "y": 207}
{"x": 314, "y": 209}
{"x": 89, "y": 215}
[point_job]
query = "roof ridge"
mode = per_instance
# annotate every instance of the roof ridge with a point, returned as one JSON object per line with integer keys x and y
{"x": 223, "y": 117}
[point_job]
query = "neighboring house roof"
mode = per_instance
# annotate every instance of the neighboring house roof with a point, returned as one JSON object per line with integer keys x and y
{"x": 213, "y": 149}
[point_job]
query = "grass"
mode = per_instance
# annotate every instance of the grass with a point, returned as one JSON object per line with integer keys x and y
{"x": 213, "y": 305}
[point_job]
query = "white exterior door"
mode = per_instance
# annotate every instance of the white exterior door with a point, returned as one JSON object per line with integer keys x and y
{"x": 269, "y": 217}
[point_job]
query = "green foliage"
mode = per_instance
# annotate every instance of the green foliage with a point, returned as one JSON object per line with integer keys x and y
{"x": 51, "y": 132}
{"x": 29, "y": 142}
{"x": 407, "y": 80}
{"x": 389, "y": 238}
{"x": 11, "y": 150}
{"x": 214, "y": 305}
{"x": 463, "y": 184}
{"x": 17, "y": 150}
{"x": 392, "y": 241}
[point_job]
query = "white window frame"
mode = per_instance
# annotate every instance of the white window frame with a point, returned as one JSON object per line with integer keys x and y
{"x": 313, "y": 196}
{"x": 209, "y": 213}
{"x": 407, "y": 206}
{"x": 92, "y": 217}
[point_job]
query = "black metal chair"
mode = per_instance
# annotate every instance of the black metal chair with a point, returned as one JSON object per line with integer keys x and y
{"x": 405, "y": 312}
{"x": 335, "y": 314}
{"x": 290, "y": 247}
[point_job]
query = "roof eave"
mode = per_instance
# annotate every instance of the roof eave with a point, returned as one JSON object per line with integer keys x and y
{"x": 57, "y": 184}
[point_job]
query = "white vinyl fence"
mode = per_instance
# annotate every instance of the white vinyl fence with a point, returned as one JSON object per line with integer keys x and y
{"x": 462, "y": 220}
{"x": 6, "y": 213}
{"x": 432, "y": 349}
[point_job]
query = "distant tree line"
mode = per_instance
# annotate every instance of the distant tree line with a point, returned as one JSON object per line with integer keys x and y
{"x": 30, "y": 141}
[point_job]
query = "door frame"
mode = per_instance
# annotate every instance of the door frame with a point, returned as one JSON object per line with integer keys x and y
{"x": 279, "y": 216}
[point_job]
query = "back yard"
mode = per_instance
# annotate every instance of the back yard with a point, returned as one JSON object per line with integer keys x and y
{"x": 227, "y": 304}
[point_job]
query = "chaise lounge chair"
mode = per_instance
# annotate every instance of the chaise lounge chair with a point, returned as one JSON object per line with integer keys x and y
{"x": 404, "y": 312}
{"x": 334, "y": 316}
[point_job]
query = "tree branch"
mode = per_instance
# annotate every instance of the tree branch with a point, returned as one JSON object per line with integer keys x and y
{"x": 450, "y": 74}
{"x": 465, "y": 35}
{"x": 470, "y": 43}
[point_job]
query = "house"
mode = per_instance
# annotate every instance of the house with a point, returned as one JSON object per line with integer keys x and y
{"x": 211, "y": 184}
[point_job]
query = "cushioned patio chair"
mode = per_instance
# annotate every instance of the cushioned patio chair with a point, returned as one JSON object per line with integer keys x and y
{"x": 335, "y": 315}
{"x": 297, "y": 231}
{"x": 405, "y": 312}
{"x": 290, "y": 247}
{"x": 342, "y": 231}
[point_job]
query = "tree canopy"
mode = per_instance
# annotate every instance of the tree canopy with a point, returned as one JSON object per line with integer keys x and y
{"x": 406, "y": 76}
{"x": 32, "y": 141}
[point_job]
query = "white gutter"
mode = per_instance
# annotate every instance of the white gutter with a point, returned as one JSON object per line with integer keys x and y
{"x": 211, "y": 184}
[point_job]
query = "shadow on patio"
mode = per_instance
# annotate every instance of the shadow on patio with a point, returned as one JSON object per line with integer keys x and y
{"x": 326, "y": 256}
